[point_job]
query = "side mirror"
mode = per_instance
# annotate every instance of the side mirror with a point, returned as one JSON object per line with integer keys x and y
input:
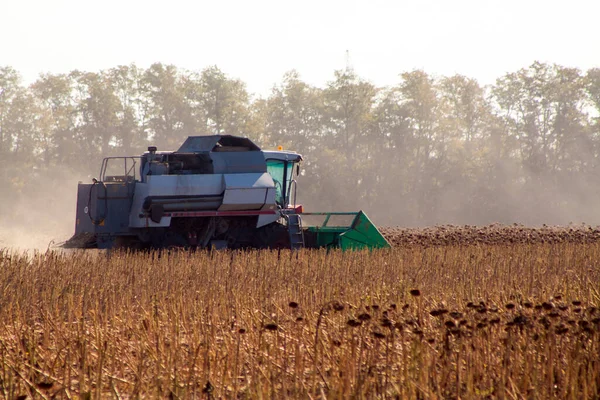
{"x": 297, "y": 169}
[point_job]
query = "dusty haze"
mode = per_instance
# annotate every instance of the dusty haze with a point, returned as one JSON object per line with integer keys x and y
{"x": 42, "y": 215}
{"x": 430, "y": 150}
{"x": 45, "y": 212}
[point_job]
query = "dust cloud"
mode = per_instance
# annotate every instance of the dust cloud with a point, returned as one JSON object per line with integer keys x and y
{"x": 41, "y": 215}
{"x": 504, "y": 192}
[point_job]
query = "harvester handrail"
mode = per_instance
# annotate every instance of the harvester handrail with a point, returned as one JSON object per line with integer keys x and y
{"x": 293, "y": 185}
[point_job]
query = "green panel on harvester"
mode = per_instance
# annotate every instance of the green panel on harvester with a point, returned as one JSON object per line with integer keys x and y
{"x": 360, "y": 234}
{"x": 363, "y": 234}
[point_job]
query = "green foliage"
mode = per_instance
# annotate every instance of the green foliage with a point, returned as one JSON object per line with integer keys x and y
{"x": 427, "y": 150}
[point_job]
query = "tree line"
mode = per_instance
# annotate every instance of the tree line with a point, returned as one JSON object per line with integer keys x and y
{"x": 428, "y": 150}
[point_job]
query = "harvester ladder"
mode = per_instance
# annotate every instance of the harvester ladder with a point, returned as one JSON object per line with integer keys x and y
{"x": 295, "y": 230}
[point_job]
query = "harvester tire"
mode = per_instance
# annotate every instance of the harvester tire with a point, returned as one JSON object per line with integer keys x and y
{"x": 272, "y": 236}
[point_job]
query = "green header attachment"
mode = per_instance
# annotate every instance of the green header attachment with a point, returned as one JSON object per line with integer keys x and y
{"x": 344, "y": 230}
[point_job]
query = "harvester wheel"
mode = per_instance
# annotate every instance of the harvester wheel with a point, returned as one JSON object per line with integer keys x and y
{"x": 272, "y": 236}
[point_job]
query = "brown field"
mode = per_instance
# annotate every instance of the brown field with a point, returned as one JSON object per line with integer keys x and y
{"x": 438, "y": 317}
{"x": 452, "y": 235}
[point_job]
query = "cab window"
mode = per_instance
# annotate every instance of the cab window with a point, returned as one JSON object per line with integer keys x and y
{"x": 281, "y": 172}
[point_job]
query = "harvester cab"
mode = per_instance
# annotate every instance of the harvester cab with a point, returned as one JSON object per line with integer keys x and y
{"x": 284, "y": 168}
{"x": 215, "y": 191}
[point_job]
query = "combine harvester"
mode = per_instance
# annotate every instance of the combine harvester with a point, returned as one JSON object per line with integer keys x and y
{"x": 215, "y": 191}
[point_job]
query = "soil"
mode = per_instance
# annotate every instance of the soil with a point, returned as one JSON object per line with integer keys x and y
{"x": 452, "y": 235}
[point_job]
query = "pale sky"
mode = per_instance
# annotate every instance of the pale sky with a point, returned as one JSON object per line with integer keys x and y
{"x": 258, "y": 41}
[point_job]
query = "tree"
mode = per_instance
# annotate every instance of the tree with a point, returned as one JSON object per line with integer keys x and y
{"x": 167, "y": 106}
{"x": 592, "y": 86}
{"x": 98, "y": 108}
{"x": 427, "y": 150}
{"x": 10, "y": 90}
{"x": 349, "y": 104}
{"x": 58, "y": 138}
{"x": 420, "y": 102}
{"x": 295, "y": 114}
{"x": 19, "y": 122}
{"x": 466, "y": 121}
{"x": 126, "y": 82}
{"x": 543, "y": 108}
{"x": 392, "y": 157}
{"x": 225, "y": 102}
